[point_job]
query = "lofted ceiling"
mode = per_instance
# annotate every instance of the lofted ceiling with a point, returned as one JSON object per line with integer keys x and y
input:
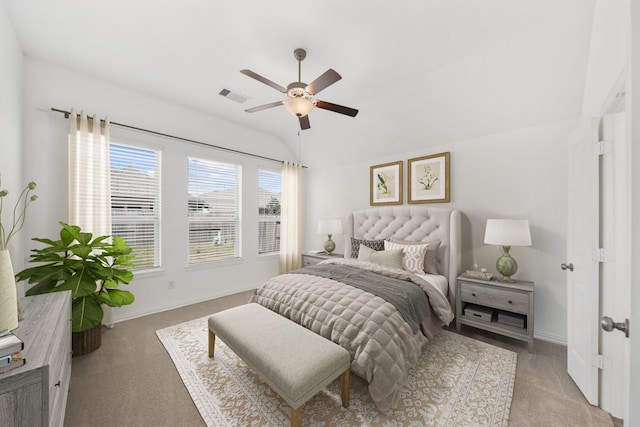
{"x": 421, "y": 72}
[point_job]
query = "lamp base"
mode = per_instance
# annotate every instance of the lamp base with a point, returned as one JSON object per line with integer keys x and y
{"x": 506, "y": 265}
{"x": 329, "y": 245}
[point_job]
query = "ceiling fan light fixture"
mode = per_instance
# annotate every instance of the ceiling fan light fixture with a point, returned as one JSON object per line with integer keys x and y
{"x": 301, "y": 96}
{"x": 299, "y": 106}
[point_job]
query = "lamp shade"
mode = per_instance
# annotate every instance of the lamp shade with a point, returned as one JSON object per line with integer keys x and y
{"x": 507, "y": 232}
{"x": 330, "y": 226}
{"x": 298, "y": 106}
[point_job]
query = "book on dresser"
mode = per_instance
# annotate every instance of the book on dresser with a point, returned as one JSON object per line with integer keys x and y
{"x": 11, "y": 361}
{"x": 9, "y": 344}
{"x": 11, "y": 352}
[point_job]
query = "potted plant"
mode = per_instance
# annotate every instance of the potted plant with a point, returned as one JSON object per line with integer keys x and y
{"x": 92, "y": 269}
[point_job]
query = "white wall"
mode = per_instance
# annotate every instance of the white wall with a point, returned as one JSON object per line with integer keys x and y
{"x": 11, "y": 68}
{"x": 45, "y": 145}
{"x": 519, "y": 174}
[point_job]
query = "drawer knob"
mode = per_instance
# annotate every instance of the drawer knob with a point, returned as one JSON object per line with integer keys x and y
{"x": 473, "y": 294}
{"x": 57, "y": 384}
{"x": 510, "y": 302}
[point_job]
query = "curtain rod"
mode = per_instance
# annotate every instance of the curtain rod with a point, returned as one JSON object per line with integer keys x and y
{"x": 166, "y": 135}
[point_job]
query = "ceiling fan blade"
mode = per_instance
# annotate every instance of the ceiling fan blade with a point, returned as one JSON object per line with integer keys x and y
{"x": 337, "y": 108}
{"x": 264, "y": 80}
{"x": 304, "y": 122}
{"x": 263, "y": 107}
{"x": 324, "y": 81}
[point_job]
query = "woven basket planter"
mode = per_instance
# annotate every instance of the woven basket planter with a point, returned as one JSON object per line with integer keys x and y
{"x": 86, "y": 341}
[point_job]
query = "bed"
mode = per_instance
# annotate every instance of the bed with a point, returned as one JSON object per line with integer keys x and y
{"x": 382, "y": 312}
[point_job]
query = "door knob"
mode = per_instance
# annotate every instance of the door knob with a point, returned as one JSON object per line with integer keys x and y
{"x": 609, "y": 325}
{"x": 566, "y": 266}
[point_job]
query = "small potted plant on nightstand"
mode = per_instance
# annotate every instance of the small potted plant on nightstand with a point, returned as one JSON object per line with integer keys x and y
{"x": 92, "y": 269}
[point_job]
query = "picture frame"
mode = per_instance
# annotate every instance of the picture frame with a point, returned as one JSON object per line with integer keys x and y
{"x": 386, "y": 184}
{"x": 429, "y": 179}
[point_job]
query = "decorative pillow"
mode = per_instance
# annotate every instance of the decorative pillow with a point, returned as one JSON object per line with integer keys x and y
{"x": 430, "y": 259}
{"x": 388, "y": 258}
{"x": 376, "y": 245}
{"x": 412, "y": 256}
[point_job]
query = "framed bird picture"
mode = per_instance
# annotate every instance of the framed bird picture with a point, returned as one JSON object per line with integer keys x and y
{"x": 386, "y": 184}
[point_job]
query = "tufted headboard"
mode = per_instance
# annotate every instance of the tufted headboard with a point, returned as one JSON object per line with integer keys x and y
{"x": 415, "y": 223}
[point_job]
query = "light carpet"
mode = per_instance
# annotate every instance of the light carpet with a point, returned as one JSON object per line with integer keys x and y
{"x": 458, "y": 381}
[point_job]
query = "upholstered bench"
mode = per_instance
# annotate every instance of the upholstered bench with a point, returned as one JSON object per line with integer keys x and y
{"x": 294, "y": 361}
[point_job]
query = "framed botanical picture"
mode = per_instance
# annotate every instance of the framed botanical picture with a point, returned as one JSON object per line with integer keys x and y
{"x": 386, "y": 184}
{"x": 429, "y": 178}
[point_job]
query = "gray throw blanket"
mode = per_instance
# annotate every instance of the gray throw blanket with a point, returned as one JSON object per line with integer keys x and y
{"x": 409, "y": 299}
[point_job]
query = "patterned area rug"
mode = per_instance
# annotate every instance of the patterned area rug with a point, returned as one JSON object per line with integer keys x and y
{"x": 458, "y": 381}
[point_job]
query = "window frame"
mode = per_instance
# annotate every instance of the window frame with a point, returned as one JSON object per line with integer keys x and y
{"x": 156, "y": 218}
{"x": 236, "y": 220}
{"x": 262, "y": 219}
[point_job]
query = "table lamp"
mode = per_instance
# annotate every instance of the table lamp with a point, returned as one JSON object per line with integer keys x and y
{"x": 507, "y": 233}
{"x": 329, "y": 227}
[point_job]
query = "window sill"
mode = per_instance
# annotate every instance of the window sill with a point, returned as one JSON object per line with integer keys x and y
{"x": 214, "y": 264}
{"x": 268, "y": 256}
{"x": 148, "y": 273}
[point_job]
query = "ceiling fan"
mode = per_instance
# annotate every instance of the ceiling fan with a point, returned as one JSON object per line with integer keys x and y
{"x": 300, "y": 96}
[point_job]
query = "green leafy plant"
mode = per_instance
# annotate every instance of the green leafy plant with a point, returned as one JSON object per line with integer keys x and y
{"x": 92, "y": 269}
{"x": 19, "y": 212}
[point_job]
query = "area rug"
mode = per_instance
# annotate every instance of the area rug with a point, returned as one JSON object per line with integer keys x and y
{"x": 458, "y": 381}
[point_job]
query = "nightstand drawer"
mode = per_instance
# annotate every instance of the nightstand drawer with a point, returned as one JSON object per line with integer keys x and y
{"x": 309, "y": 260}
{"x": 314, "y": 258}
{"x": 516, "y": 302}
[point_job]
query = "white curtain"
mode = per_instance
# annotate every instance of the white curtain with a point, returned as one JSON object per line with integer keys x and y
{"x": 291, "y": 217}
{"x": 89, "y": 179}
{"x": 89, "y": 182}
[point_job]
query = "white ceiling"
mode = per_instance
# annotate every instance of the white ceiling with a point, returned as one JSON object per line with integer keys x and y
{"x": 421, "y": 72}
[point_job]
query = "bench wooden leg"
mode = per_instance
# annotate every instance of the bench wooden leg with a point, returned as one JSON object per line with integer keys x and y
{"x": 212, "y": 342}
{"x": 296, "y": 417}
{"x": 344, "y": 388}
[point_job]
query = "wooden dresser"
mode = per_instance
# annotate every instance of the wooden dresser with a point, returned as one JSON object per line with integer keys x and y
{"x": 36, "y": 394}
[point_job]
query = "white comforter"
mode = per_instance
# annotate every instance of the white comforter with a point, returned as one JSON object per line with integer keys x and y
{"x": 382, "y": 346}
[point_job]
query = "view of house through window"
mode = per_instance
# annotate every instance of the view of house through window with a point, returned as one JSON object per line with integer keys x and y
{"x": 213, "y": 210}
{"x": 269, "y": 197}
{"x": 135, "y": 201}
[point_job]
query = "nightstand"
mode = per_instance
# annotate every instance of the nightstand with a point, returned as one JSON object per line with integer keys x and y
{"x": 491, "y": 305}
{"x": 309, "y": 258}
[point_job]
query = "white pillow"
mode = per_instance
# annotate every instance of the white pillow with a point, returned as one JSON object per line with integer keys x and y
{"x": 412, "y": 255}
{"x": 430, "y": 259}
{"x": 388, "y": 258}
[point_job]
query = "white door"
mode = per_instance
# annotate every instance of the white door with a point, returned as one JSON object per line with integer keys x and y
{"x": 616, "y": 268}
{"x": 582, "y": 271}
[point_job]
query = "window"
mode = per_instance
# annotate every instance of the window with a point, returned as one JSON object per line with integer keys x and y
{"x": 213, "y": 210}
{"x": 269, "y": 196}
{"x": 135, "y": 201}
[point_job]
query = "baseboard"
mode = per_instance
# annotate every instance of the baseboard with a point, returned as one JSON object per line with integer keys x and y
{"x": 118, "y": 319}
{"x": 550, "y": 338}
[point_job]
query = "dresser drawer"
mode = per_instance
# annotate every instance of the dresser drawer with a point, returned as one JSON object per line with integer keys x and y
{"x": 59, "y": 377}
{"x": 514, "y": 301}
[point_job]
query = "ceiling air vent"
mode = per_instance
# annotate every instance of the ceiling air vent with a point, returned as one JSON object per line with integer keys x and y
{"x": 234, "y": 96}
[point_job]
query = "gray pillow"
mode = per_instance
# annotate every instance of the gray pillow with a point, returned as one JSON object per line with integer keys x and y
{"x": 391, "y": 258}
{"x": 376, "y": 245}
{"x": 430, "y": 259}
